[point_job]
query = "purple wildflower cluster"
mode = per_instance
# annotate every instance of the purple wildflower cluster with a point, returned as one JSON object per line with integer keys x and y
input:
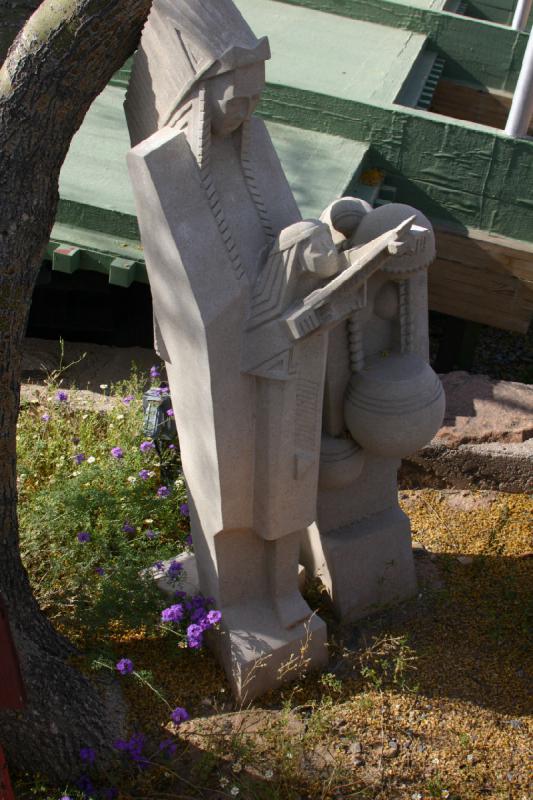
{"x": 83, "y": 536}
{"x": 124, "y": 666}
{"x": 163, "y": 491}
{"x": 128, "y": 399}
{"x": 184, "y": 509}
{"x": 195, "y": 614}
{"x": 145, "y": 447}
{"x": 173, "y": 613}
{"x": 133, "y": 747}
{"x": 61, "y": 396}
{"x": 128, "y": 527}
{"x": 154, "y": 372}
{"x": 79, "y": 458}
{"x": 117, "y": 452}
{"x": 174, "y": 570}
{"x": 179, "y": 715}
{"x": 144, "y": 474}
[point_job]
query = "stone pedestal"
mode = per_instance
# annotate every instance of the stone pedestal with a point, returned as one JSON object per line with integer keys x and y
{"x": 365, "y": 566}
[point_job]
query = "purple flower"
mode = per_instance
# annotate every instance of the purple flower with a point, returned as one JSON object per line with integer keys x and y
{"x": 127, "y": 400}
{"x": 83, "y": 536}
{"x": 170, "y": 412}
{"x": 168, "y": 747}
{"x": 128, "y": 527}
{"x": 145, "y": 447}
{"x": 124, "y": 666}
{"x": 214, "y": 616}
{"x": 179, "y": 715}
{"x": 133, "y": 747}
{"x": 188, "y": 540}
{"x": 159, "y": 565}
{"x": 198, "y": 614}
{"x": 180, "y": 595}
{"x": 88, "y": 755}
{"x": 172, "y": 447}
{"x": 163, "y": 491}
{"x": 172, "y": 613}
{"x": 194, "y": 636}
{"x": 174, "y": 569}
{"x": 45, "y": 417}
{"x": 184, "y": 509}
{"x": 117, "y": 452}
{"x": 79, "y": 457}
{"x": 154, "y": 372}
{"x": 99, "y": 570}
{"x": 144, "y": 474}
{"x": 61, "y": 396}
{"x": 150, "y": 534}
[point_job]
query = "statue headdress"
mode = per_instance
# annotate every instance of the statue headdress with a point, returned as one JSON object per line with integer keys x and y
{"x": 183, "y": 42}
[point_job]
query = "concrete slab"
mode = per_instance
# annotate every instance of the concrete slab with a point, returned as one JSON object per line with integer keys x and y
{"x": 319, "y": 167}
{"x": 351, "y": 59}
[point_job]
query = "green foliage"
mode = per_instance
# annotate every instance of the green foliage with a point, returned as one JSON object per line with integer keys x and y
{"x": 87, "y": 584}
{"x": 389, "y": 663}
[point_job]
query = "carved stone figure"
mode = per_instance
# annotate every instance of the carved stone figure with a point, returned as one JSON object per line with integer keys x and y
{"x": 244, "y": 294}
{"x": 382, "y": 402}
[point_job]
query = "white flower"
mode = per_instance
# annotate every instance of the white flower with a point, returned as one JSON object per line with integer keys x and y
{"x": 75, "y": 473}
{"x": 84, "y": 416}
{"x": 234, "y": 791}
{"x": 269, "y": 774}
{"x": 91, "y": 460}
{"x": 237, "y": 767}
{"x": 120, "y": 416}
{"x": 416, "y": 796}
{"x": 132, "y": 479}
{"x": 445, "y": 793}
{"x": 103, "y": 386}
{"x": 223, "y": 781}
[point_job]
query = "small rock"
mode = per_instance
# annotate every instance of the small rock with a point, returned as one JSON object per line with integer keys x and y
{"x": 465, "y": 560}
{"x": 392, "y": 749}
{"x": 355, "y": 748}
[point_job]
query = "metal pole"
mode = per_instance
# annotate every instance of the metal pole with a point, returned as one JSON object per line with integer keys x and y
{"x": 522, "y": 106}
{"x": 521, "y": 15}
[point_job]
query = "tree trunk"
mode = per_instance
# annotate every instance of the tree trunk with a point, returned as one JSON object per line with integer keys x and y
{"x": 61, "y": 60}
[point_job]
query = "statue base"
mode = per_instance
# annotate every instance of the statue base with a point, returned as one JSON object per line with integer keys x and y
{"x": 365, "y": 566}
{"x": 257, "y": 651}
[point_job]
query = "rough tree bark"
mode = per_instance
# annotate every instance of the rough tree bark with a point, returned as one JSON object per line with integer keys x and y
{"x": 61, "y": 60}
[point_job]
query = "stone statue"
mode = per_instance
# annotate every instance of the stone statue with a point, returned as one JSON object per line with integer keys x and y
{"x": 244, "y": 294}
{"x": 382, "y": 402}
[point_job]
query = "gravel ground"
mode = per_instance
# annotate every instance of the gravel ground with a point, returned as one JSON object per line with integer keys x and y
{"x": 456, "y": 725}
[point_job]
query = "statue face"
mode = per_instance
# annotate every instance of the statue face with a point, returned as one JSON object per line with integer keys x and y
{"x": 319, "y": 254}
{"x": 234, "y": 96}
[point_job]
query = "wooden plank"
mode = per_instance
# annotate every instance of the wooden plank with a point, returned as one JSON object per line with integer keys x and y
{"x": 483, "y": 279}
{"x": 461, "y": 101}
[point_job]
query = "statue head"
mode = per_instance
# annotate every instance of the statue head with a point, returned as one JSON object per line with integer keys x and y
{"x": 313, "y": 243}
{"x": 184, "y": 44}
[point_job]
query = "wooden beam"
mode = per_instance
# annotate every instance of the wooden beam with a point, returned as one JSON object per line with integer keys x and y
{"x": 461, "y": 101}
{"x": 482, "y": 278}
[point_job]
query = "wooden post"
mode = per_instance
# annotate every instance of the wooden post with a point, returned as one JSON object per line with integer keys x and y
{"x": 12, "y": 693}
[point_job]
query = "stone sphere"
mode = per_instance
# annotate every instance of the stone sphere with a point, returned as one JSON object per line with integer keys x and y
{"x": 395, "y": 405}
